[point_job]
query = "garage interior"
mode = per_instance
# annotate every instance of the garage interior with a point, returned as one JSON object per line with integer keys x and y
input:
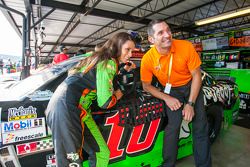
{"x": 83, "y": 24}
{"x": 86, "y": 23}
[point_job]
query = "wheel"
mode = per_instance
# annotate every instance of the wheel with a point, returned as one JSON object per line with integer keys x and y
{"x": 214, "y": 117}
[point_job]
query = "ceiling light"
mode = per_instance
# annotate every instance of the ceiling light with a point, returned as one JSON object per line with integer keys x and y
{"x": 223, "y": 16}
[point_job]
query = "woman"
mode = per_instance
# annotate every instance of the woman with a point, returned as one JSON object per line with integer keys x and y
{"x": 68, "y": 113}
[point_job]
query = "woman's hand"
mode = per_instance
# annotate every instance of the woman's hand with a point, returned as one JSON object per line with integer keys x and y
{"x": 118, "y": 93}
{"x": 129, "y": 66}
{"x": 125, "y": 77}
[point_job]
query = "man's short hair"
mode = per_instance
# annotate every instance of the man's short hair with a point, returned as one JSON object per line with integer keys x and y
{"x": 151, "y": 24}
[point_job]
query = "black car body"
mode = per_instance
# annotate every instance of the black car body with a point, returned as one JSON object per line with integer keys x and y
{"x": 25, "y": 139}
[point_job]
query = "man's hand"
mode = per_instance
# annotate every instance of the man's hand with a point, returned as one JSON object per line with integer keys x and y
{"x": 173, "y": 103}
{"x": 188, "y": 113}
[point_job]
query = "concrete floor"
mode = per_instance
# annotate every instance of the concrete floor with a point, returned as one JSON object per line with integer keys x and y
{"x": 231, "y": 149}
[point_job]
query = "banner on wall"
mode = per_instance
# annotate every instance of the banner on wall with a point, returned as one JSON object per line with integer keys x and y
{"x": 239, "y": 38}
{"x": 215, "y": 43}
{"x": 210, "y": 42}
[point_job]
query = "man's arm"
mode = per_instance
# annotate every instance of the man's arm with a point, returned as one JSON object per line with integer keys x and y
{"x": 188, "y": 111}
{"x": 171, "y": 102}
{"x": 195, "y": 85}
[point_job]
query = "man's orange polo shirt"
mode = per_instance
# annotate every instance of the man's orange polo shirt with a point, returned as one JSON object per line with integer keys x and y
{"x": 185, "y": 60}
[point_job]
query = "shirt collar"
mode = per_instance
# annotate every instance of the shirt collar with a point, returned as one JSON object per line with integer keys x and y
{"x": 172, "y": 49}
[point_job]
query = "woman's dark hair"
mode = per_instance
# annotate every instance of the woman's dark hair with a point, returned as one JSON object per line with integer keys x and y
{"x": 110, "y": 49}
{"x": 150, "y": 29}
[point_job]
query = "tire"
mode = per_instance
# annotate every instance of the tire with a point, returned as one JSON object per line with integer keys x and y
{"x": 214, "y": 117}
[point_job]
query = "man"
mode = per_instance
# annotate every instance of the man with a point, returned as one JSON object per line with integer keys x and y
{"x": 176, "y": 65}
{"x": 9, "y": 66}
{"x": 1, "y": 66}
{"x": 62, "y": 56}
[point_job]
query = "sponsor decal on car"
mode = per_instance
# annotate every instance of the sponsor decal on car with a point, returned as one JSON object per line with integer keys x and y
{"x": 21, "y": 113}
{"x": 26, "y": 148}
{"x": 52, "y": 165}
{"x": 22, "y": 125}
{"x": 217, "y": 93}
{"x": 25, "y": 131}
{"x": 137, "y": 141}
{"x": 21, "y": 136}
{"x": 141, "y": 138}
{"x": 74, "y": 165}
{"x": 244, "y": 101}
{"x": 37, "y": 146}
{"x": 243, "y": 104}
{"x": 73, "y": 156}
{"x": 51, "y": 160}
{"x": 40, "y": 95}
{"x": 185, "y": 130}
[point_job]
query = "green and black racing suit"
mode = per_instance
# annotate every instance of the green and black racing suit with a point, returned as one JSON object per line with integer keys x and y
{"x": 69, "y": 116}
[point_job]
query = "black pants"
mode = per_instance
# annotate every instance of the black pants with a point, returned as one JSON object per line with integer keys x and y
{"x": 201, "y": 145}
{"x": 64, "y": 120}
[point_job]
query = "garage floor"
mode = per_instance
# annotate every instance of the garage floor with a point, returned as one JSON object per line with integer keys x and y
{"x": 231, "y": 149}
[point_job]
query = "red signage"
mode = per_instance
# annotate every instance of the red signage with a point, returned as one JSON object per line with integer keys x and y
{"x": 26, "y": 148}
{"x": 243, "y": 41}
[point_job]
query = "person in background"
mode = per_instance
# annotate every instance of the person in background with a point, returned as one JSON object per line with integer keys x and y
{"x": 18, "y": 66}
{"x": 176, "y": 65}
{"x": 68, "y": 113}
{"x": 1, "y": 66}
{"x": 9, "y": 66}
{"x": 62, "y": 56}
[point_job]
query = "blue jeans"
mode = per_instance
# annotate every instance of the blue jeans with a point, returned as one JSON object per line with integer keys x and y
{"x": 201, "y": 144}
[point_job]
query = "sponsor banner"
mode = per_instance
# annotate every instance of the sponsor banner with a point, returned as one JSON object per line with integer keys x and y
{"x": 240, "y": 38}
{"x": 36, "y": 146}
{"x": 23, "y": 135}
{"x": 22, "y": 125}
{"x": 240, "y": 42}
{"x": 21, "y": 113}
{"x": 222, "y": 42}
{"x": 209, "y": 44}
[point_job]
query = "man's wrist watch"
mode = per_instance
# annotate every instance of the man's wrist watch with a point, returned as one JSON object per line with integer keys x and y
{"x": 191, "y": 103}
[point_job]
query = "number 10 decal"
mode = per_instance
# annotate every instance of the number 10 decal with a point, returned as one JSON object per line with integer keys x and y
{"x": 135, "y": 144}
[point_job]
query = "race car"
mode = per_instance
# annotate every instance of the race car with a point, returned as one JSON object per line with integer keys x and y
{"x": 133, "y": 129}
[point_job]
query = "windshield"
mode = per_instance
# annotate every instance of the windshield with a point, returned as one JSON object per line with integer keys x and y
{"x": 22, "y": 88}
